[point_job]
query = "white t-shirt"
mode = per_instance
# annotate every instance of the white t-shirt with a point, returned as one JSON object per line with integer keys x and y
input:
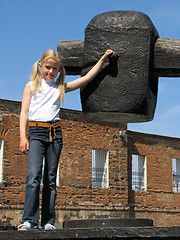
{"x": 44, "y": 105}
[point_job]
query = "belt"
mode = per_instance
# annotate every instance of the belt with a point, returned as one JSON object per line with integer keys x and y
{"x": 46, "y": 125}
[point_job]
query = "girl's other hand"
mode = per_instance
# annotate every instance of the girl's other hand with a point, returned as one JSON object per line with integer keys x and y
{"x": 24, "y": 145}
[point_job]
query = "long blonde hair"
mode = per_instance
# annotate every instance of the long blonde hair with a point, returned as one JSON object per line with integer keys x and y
{"x": 36, "y": 75}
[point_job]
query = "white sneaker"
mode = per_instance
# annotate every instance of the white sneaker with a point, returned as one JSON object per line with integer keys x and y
{"x": 48, "y": 226}
{"x": 25, "y": 226}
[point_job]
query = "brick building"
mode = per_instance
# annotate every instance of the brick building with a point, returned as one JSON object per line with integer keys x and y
{"x": 104, "y": 171}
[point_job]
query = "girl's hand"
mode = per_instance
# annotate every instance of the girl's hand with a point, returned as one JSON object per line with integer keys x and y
{"x": 24, "y": 145}
{"x": 108, "y": 53}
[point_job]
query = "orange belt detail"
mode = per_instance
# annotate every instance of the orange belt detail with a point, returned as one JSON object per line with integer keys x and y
{"x": 46, "y": 125}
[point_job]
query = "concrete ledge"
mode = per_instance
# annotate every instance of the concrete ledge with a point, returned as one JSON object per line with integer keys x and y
{"x": 112, "y": 222}
{"x": 128, "y": 233}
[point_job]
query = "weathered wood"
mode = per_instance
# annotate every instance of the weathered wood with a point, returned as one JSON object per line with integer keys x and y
{"x": 167, "y": 57}
{"x": 72, "y": 53}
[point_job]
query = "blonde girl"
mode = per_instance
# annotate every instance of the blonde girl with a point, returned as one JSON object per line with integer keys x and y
{"x": 40, "y": 109}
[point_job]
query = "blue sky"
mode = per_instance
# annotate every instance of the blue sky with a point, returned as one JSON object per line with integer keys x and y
{"x": 28, "y": 28}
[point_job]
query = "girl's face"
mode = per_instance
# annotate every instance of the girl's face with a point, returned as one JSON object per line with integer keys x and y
{"x": 50, "y": 69}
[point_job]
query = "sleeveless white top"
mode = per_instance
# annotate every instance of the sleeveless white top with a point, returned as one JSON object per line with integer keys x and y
{"x": 44, "y": 105}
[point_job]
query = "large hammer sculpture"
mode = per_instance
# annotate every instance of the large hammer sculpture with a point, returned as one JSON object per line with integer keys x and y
{"x": 126, "y": 89}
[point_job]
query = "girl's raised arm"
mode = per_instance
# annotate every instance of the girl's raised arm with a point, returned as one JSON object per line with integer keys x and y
{"x": 73, "y": 85}
{"x": 24, "y": 145}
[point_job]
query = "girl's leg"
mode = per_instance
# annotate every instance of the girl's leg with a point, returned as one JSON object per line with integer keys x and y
{"x": 49, "y": 181}
{"x": 35, "y": 162}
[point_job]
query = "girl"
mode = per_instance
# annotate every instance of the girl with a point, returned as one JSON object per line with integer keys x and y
{"x": 40, "y": 107}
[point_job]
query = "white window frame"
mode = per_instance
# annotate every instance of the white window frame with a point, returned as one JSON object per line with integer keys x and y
{"x": 139, "y": 173}
{"x": 176, "y": 174}
{"x": 100, "y": 168}
{"x": 1, "y": 159}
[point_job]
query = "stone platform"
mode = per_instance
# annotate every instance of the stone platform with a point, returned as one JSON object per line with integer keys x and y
{"x": 123, "y": 233}
{"x": 108, "y": 222}
{"x": 115, "y": 228}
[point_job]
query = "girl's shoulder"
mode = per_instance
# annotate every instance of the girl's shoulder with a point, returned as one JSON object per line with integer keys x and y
{"x": 29, "y": 84}
{"x": 28, "y": 87}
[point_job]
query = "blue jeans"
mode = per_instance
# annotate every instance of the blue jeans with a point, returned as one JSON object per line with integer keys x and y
{"x": 40, "y": 148}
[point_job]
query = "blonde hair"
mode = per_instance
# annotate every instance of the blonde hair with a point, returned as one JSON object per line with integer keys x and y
{"x": 36, "y": 75}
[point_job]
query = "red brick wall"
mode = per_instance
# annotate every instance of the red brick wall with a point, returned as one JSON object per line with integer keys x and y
{"x": 159, "y": 202}
{"x": 75, "y": 191}
{"x": 76, "y": 197}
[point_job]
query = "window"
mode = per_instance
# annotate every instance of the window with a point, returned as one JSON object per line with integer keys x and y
{"x": 1, "y": 159}
{"x": 138, "y": 173}
{"x": 100, "y": 173}
{"x": 176, "y": 174}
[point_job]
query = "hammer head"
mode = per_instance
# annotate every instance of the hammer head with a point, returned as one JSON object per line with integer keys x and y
{"x": 125, "y": 90}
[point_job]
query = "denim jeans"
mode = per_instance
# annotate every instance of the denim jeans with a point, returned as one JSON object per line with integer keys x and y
{"x": 40, "y": 148}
